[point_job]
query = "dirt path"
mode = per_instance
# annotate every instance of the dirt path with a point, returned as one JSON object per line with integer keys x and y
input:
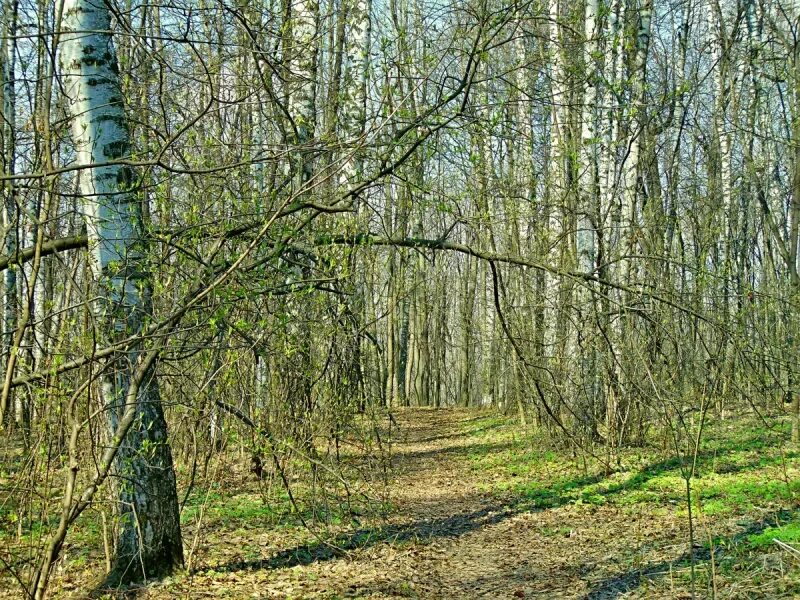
{"x": 451, "y": 538}
{"x": 481, "y": 546}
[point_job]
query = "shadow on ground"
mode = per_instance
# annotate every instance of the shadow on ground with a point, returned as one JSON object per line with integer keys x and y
{"x": 621, "y": 584}
{"x": 423, "y": 531}
{"x": 419, "y": 532}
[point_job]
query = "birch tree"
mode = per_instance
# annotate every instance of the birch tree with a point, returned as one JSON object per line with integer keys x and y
{"x": 149, "y": 543}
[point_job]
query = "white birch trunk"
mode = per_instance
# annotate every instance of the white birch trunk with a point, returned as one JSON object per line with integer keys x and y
{"x": 302, "y": 99}
{"x": 586, "y": 235}
{"x": 630, "y": 167}
{"x": 610, "y": 125}
{"x": 721, "y": 99}
{"x": 353, "y": 117}
{"x": 9, "y": 208}
{"x": 557, "y": 176}
{"x": 149, "y": 543}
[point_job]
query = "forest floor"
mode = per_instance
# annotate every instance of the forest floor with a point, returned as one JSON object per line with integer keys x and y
{"x": 480, "y": 509}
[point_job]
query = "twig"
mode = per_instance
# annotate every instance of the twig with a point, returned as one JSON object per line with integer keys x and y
{"x": 787, "y": 547}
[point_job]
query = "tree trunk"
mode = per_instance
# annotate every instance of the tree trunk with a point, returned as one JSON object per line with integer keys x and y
{"x": 10, "y": 222}
{"x": 149, "y": 543}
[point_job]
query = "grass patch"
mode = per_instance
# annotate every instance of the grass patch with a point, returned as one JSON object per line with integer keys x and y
{"x": 789, "y": 534}
{"x": 245, "y": 509}
{"x": 741, "y": 466}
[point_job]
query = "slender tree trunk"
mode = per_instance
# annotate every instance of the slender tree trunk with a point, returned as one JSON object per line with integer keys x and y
{"x": 587, "y": 216}
{"x": 10, "y": 223}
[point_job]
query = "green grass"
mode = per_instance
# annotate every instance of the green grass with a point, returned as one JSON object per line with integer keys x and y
{"x": 243, "y": 509}
{"x": 789, "y": 534}
{"x": 251, "y": 510}
{"x": 745, "y": 471}
{"x": 742, "y": 465}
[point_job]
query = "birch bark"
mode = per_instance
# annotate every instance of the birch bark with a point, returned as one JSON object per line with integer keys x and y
{"x": 149, "y": 539}
{"x": 9, "y": 209}
{"x": 586, "y": 235}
